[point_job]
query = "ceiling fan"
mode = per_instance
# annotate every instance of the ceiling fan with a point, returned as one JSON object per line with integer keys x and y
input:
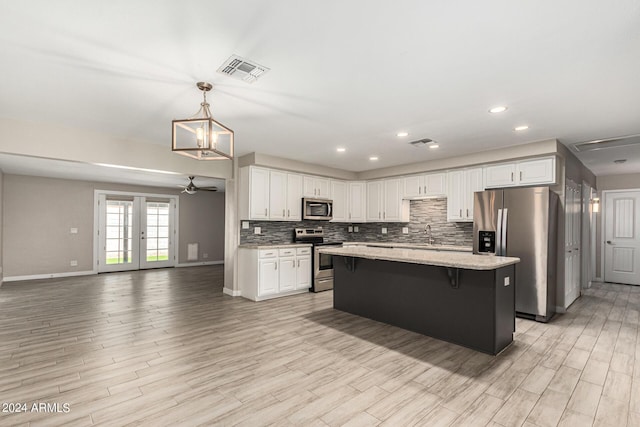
{"x": 193, "y": 189}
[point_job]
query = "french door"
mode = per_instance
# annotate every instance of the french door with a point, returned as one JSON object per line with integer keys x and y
{"x": 135, "y": 232}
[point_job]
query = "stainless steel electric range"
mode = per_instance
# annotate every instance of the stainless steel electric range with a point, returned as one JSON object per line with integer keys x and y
{"x": 322, "y": 263}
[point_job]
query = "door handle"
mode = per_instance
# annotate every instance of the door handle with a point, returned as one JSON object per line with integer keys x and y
{"x": 609, "y": 242}
{"x": 265, "y": 212}
{"x": 275, "y": 265}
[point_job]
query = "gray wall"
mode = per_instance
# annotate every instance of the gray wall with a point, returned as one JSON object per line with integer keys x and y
{"x": 39, "y": 212}
{"x": 422, "y": 212}
{"x": 1, "y": 216}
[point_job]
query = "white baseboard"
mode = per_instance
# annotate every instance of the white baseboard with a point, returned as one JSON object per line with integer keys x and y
{"x": 48, "y": 276}
{"x": 231, "y": 292}
{"x": 195, "y": 264}
{"x": 560, "y": 310}
{"x": 597, "y": 279}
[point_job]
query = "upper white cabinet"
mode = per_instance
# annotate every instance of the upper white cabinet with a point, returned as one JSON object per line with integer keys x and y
{"x": 461, "y": 184}
{"x": 270, "y": 194}
{"x": 340, "y": 197}
{"x": 430, "y": 185}
{"x": 357, "y": 202}
{"x": 315, "y": 186}
{"x": 385, "y": 203}
{"x": 525, "y": 172}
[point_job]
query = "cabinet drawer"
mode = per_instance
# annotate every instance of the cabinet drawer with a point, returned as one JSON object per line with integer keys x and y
{"x": 287, "y": 252}
{"x": 267, "y": 253}
{"x": 303, "y": 251}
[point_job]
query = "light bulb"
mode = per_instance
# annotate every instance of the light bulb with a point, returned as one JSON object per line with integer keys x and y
{"x": 200, "y": 136}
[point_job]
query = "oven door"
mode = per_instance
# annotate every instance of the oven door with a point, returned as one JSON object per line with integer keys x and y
{"x": 323, "y": 264}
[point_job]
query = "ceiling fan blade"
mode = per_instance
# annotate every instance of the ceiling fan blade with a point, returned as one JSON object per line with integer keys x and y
{"x": 208, "y": 188}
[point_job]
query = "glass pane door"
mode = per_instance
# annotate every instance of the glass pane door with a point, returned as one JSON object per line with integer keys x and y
{"x": 156, "y": 235}
{"x": 119, "y": 230}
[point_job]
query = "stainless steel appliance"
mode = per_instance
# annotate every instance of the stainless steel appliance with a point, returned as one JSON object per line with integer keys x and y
{"x": 522, "y": 222}
{"x": 322, "y": 263}
{"x": 317, "y": 209}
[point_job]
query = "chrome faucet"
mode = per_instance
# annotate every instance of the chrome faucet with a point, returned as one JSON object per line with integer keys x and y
{"x": 427, "y": 229}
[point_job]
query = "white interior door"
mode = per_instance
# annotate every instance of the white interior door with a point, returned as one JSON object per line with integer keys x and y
{"x": 135, "y": 232}
{"x": 572, "y": 242}
{"x": 622, "y": 237}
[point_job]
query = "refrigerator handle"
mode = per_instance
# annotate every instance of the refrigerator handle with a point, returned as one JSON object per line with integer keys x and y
{"x": 499, "y": 234}
{"x": 503, "y": 244}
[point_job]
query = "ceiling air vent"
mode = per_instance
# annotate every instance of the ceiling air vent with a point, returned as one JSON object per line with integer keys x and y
{"x": 422, "y": 142}
{"x": 601, "y": 144}
{"x": 242, "y": 69}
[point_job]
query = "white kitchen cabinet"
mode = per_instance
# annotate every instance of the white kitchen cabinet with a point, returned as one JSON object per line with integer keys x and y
{"x": 525, "y": 172}
{"x": 269, "y": 194}
{"x": 272, "y": 273}
{"x": 357, "y": 202}
{"x": 315, "y": 186}
{"x": 461, "y": 184}
{"x": 294, "y": 197}
{"x": 340, "y": 197}
{"x": 385, "y": 203}
{"x": 421, "y": 186}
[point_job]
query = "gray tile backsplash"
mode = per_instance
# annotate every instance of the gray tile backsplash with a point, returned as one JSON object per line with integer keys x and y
{"x": 422, "y": 212}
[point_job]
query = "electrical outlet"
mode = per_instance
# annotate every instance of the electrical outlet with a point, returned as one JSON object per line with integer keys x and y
{"x": 384, "y": 230}
{"x": 356, "y": 229}
{"x": 507, "y": 281}
{"x": 205, "y": 255}
{"x": 73, "y": 230}
{"x": 405, "y": 230}
{"x": 245, "y": 225}
{"x": 73, "y": 263}
{"x": 257, "y": 230}
{"x": 350, "y": 229}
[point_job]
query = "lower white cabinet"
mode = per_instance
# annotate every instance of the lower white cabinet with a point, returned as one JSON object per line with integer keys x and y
{"x": 274, "y": 272}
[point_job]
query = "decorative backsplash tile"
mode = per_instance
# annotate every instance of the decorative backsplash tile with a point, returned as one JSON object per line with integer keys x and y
{"x": 422, "y": 213}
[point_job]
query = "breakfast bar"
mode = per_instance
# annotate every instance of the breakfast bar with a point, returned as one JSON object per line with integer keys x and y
{"x": 457, "y": 297}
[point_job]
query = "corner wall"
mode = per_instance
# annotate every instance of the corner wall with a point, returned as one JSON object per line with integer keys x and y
{"x": 39, "y": 212}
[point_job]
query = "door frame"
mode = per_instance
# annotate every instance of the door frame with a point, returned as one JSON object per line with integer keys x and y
{"x": 96, "y": 220}
{"x": 603, "y": 211}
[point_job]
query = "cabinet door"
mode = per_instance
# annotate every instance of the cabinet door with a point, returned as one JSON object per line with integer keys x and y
{"x": 473, "y": 181}
{"x": 455, "y": 195}
{"x": 435, "y": 184}
{"x": 294, "y": 197}
{"x": 303, "y": 275}
{"x": 500, "y": 175}
{"x": 309, "y": 186}
{"x": 324, "y": 188}
{"x": 277, "y": 195}
{"x": 268, "y": 277}
{"x": 374, "y": 201}
{"x": 413, "y": 186}
{"x": 540, "y": 171}
{"x": 392, "y": 200}
{"x": 288, "y": 274}
{"x": 357, "y": 202}
{"x": 340, "y": 201}
{"x": 259, "y": 193}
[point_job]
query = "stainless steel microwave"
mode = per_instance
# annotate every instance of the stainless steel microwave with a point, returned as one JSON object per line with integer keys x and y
{"x": 317, "y": 209}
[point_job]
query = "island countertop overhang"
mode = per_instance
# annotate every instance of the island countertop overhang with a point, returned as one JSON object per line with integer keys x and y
{"x": 424, "y": 256}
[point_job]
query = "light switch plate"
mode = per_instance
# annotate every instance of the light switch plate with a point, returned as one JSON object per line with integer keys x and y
{"x": 405, "y": 230}
{"x": 245, "y": 225}
{"x": 356, "y": 229}
{"x": 507, "y": 281}
{"x": 73, "y": 263}
{"x": 384, "y": 230}
{"x": 350, "y": 229}
{"x": 257, "y": 230}
{"x": 73, "y": 230}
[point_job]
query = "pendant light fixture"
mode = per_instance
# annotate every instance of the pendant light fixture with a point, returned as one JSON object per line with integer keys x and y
{"x": 201, "y": 137}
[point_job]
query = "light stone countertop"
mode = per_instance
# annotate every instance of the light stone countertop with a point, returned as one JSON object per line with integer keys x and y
{"x": 275, "y": 246}
{"x": 412, "y": 246}
{"x": 421, "y": 256}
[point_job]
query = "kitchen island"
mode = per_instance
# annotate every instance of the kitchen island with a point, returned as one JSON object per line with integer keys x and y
{"x": 458, "y": 297}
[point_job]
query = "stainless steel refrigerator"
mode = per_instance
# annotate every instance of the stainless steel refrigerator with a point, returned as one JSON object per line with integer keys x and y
{"x": 522, "y": 222}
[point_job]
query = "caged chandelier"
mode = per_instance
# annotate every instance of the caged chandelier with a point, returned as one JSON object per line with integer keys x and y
{"x": 200, "y": 137}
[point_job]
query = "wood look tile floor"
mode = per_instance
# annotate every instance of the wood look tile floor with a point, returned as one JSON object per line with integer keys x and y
{"x": 166, "y": 347}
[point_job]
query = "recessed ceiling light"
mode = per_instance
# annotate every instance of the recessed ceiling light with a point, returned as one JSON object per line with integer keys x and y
{"x": 373, "y": 158}
{"x": 341, "y": 149}
{"x": 434, "y": 146}
{"x": 401, "y": 134}
{"x": 519, "y": 128}
{"x": 498, "y": 109}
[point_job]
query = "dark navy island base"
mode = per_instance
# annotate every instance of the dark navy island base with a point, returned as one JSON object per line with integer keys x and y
{"x": 472, "y": 308}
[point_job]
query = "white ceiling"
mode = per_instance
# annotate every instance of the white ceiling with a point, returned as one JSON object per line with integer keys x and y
{"x": 343, "y": 73}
